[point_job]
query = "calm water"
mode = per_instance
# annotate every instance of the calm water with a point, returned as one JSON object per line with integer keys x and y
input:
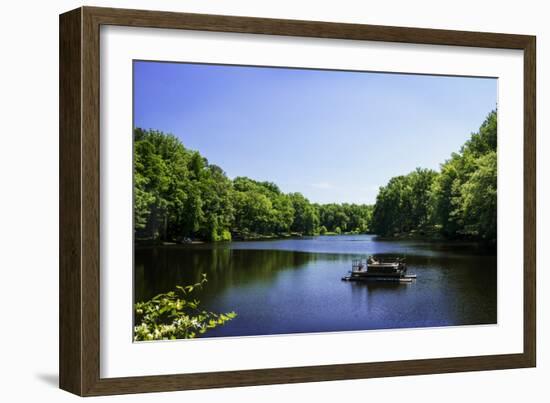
{"x": 294, "y": 285}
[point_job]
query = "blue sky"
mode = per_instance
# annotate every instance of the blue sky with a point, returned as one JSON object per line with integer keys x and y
{"x": 334, "y": 136}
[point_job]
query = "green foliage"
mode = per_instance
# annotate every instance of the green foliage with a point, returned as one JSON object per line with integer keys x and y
{"x": 354, "y": 218}
{"x": 403, "y": 204}
{"x": 465, "y": 193}
{"x": 306, "y": 217}
{"x": 174, "y": 315}
{"x": 459, "y": 201}
{"x": 479, "y": 198}
{"x": 260, "y": 207}
{"x": 178, "y": 195}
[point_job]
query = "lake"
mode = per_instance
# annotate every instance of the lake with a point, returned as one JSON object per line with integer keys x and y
{"x": 294, "y": 285}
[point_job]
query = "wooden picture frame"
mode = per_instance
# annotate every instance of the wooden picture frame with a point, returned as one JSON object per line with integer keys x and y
{"x": 79, "y": 280}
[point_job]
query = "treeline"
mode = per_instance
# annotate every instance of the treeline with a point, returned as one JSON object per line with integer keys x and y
{"x": 178, "y": 194}
{"x": 460, "y": 201}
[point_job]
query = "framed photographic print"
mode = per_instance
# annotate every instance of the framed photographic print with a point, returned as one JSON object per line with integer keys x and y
{"x": 249, "y": 201}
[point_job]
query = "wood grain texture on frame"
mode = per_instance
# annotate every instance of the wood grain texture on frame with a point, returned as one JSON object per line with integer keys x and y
{"x": 79, "y": 200}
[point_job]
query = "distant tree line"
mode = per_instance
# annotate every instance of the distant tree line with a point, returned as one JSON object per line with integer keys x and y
{"x": 178, "y": 194}
{"x": 460, "y": 201}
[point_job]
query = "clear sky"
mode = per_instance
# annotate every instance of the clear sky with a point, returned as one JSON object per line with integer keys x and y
{"x": 334, "y": 136}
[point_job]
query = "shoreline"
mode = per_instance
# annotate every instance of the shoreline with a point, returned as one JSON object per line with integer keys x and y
{"x": 273, "y": 237}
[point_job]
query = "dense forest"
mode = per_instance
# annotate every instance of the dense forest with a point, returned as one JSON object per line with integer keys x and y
{"x": 459, "y": 201}
{"x": 179, "y": 195}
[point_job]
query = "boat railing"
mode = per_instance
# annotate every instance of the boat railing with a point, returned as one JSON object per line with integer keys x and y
{"x": 362, "y": 263}
{"x": 359, "y": 264}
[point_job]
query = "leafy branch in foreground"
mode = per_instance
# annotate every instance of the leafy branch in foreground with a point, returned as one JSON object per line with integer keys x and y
{"x": 174, "y": 315}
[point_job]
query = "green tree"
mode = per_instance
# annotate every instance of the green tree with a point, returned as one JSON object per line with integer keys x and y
{"x": 176, "y": 315}
{"x": 464, "y": 195}
{"x": 177, "y": 194}
{"x": 457, "y": 202}
{"x": 479, "y": 199}
{"x": 306, "y": 217}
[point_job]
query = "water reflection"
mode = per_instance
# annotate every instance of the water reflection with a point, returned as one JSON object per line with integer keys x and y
{"x": 293, "y": 285}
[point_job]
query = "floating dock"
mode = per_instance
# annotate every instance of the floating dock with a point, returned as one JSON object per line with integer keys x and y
{"x": 407, "y": 278}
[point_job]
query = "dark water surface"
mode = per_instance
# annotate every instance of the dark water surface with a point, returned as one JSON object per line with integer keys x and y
{"x": 294, "y": 285}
